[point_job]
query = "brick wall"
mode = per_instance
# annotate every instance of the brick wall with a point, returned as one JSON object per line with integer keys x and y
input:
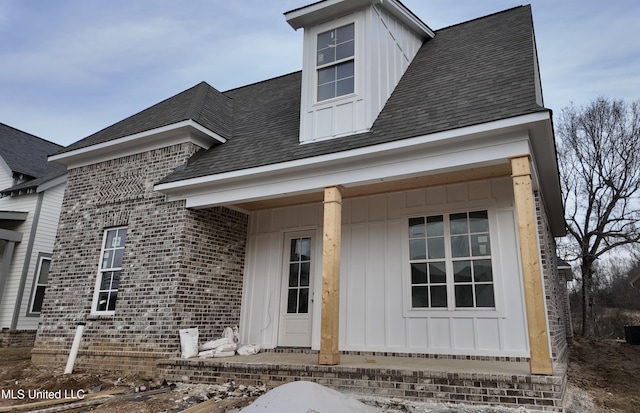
{"x": 555, "y": 287}
{"x": 181, "y": 268}
{"x": 17, "y": 338}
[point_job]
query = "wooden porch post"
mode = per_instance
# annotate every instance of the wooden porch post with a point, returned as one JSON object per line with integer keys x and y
{"x": 531, "y": 271}
{"x": 329, "y": 327}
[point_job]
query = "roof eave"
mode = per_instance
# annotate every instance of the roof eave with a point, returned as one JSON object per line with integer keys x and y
{"x": 176, "y": 133}
{"x": 325, "y": 10}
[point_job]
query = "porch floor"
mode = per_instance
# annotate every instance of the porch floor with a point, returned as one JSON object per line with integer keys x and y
{"x": 505, "y": 383}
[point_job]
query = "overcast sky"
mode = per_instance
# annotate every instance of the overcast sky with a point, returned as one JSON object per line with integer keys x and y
{"x": 69, "y": 68}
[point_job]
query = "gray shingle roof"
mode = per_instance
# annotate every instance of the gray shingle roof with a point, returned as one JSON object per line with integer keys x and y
{"x": 27, "y": 154}
{"x": 201, "y": 103}
{"x": 471, "y": 73}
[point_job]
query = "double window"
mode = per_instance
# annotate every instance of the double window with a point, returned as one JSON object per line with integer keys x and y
{"x": 335, "y": 62}
{"x": 450, "y": 261}
{"x": 108, "y": 281}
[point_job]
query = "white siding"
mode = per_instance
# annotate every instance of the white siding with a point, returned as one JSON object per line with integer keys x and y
{"x": 374, "y": 308}
{"x": 384, "y": 49}
{"x": 43, "y": 242}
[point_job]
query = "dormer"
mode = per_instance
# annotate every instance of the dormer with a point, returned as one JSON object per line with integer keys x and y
{"x": 355, "y": 52}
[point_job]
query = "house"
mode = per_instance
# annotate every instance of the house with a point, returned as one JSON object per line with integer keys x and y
{"x": 31, "y": 191}
{"x": 397, "y": 196}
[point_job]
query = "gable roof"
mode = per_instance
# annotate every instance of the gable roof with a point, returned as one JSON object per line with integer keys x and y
{"x": 200, "y": 103}
{"x": 26, "y": 154}
{"x": 471, "y": 73}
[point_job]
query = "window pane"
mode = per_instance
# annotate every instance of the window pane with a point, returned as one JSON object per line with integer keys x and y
{"x": 326, "y": 91}
{"x": 293, "y": 255}
{"x": 417, "y": 249}
{"x": 303, "y": 302}
{"x": 102, "y": 301}
{"x": 344, "y": 70}
{"x": 43, "y": 277}
{"x": 344, "y": 87}
{"x": 305, "y": 249}
{"x": 435, "y": 225}
{"x": 109, "y": 241}
{"x": 115, "y": 280}
{"x": 294, "y": 268}
{"x": 464, "y": 296}
{"x": 420, "y": 297}
{"x": 460, "y": 246}
{"x": 122, "y": 238}
{"x": 344, "y": 50}
{"x": 437, "y": 272}
{"x": 39, "y": 297}
{"x": 326, "y": 39}
{"x": 484, "y": 295}
{"x": 480, "y": 245}
{"x": 112, "y": 301}
{"x": 458, "y": 223}
{"x": 345, "y": 33}
{"x": 419, "y": 273}
{"x": 326, "y": 75}
{"x": 105, "y": 282}
{"x": 439, "y": 296}
{"x": 416, "y": 227}
{"x": 482, "y": 271}
{"x": 117, "y": 258}
{"x": 107, "y": 259}
{"x": 304, "y": 274}
{"x": 435, "y": 246}
{"x": 462, "y": 271}
{"x": 479, "y": 221}
{"x": 292, "y": 303}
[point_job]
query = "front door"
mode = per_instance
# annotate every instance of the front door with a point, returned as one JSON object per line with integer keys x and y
{"x": 297, "y": 291}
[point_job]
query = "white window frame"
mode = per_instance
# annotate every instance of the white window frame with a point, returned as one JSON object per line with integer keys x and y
{"x": 311, "y": 61}
{"x": 334, "y": 64}
{"x": 101, "y": 271}
{"x": 451, "y": 310}
{"x": 37, "y": 284}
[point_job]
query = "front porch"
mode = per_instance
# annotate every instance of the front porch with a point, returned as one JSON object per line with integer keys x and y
{"x": 412, "y": 377}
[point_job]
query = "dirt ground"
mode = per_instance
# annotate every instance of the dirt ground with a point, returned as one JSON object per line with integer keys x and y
{"x": 603, "y": 377}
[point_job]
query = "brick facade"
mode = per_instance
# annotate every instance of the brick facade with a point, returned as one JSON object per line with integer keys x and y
{"x": 555, "y": 287}
{"x": 181, "y": 268}
{"x": 17, "y": 338}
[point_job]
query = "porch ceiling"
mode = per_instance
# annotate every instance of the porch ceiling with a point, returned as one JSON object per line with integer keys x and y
{"x": 445, "y": 178}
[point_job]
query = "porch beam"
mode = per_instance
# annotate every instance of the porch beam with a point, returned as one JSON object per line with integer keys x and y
{"x": 540, "y": 362}
{"x": 329, "y": 327}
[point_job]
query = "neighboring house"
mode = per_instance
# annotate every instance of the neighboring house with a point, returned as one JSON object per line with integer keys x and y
{"x": 31, "y": 192}
{"x": 399, "y": 195}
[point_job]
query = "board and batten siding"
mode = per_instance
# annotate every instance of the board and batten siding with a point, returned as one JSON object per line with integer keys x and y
{"x": 375, "y": 313}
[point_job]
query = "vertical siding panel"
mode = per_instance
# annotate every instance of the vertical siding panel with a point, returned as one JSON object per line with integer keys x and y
{"x": 488, "y": 331}
{"x": 357, "y": 285}
{"x": 463, "y": 333}
{"x": 375, "y": 286}
{"x": 395, "y": 322}
{"x": 440, "y": 334}
{"x": 417, "y": 334}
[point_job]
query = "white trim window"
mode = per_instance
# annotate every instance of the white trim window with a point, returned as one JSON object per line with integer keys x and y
{"x": 335, "y": 62}
{"x": 450, "y": 261}
{"x": 108, "y": 280}
{"x": 41, "y": 282}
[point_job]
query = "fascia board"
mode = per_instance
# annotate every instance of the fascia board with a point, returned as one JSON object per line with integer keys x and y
{"x": 180, "y": 132}
{"x": 361, "y": 172}
{"x": 13, "y": 215}
{"x": 323, "y": 11}
{"x": 374, "y": 150}
{"x": 52, "y": 183}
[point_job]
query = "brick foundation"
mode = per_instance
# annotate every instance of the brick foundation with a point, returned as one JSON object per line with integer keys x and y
{"x": 538, "y": 393}
{"x": 17, "y": 338}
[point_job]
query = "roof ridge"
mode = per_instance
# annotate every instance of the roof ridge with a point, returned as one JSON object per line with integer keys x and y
{"x": 31, "y": 134}
{"x": 195, "y": 108}
{"x": 484, "y": 17}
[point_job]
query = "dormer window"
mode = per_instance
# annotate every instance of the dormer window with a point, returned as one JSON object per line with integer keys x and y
{"x": 335, "y": 62}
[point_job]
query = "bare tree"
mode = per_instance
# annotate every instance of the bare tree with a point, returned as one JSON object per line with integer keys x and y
{"x": 599, "y": 154}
